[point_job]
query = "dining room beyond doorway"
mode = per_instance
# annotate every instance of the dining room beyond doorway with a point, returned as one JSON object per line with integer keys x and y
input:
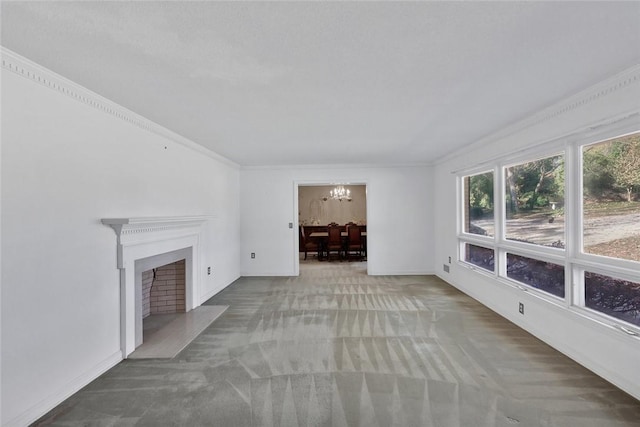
{"x": 332, "y": 222}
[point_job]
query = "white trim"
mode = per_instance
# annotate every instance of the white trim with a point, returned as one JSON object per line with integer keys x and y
{"x": 605, "y": 129}
{"x": 515, "y": 285}
{"x": 572, "y": 228}
{"x": 622, "y": 266}
{"x": 131, "y": 231}
{"x": 402, "y": 273}
{"x": 579, "y": 100}
{"x": 540, "y": 153}
{"x": 531, "y": 250}
{"x": 606, "y": 270}
{"x": 296, "y": 226}
{"x": 553, "y": 258}
{"x": 267, "y": 274}
{"x": 30, "y": 70}
{"x": 60, "y": 395}
{"x": 499, "y": 205}
{"x": 607, "y": 320}
{"x": 337, "y": 166}
{"x": 1, "y": 287}
{"x": 210, "y": 294}
{"x": 478, "y": 239}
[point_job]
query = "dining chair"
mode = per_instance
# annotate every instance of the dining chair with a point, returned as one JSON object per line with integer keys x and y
{"x": 334, "y": 241}
{"x": 309, "y": 245}
{"x": 354, "y": 242}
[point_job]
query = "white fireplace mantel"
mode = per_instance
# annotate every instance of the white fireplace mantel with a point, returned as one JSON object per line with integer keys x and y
{"x": 140, "y": 240}
{"x": 131, "y": 224}
{"x": 131, "y": 231}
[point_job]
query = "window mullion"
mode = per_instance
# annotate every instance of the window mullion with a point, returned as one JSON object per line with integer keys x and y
{"x": 577, "y": 295}
{"x": 498, "y": 218}
{"x": 499, "y": 200}
{"x": 574, "y": 286}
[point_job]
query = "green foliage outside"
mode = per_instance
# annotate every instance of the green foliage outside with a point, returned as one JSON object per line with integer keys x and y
{"x": 611, "y": 174}
{"x": 537, "y": 185}
{"x": 481, "y": 194}
{"x": 612, "y": 169}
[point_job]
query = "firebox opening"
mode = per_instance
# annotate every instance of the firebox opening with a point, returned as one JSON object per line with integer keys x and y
{"x": 163, "y": 296}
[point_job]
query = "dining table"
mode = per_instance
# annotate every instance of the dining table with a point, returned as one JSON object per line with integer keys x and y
{"x": 325, "y": 234}
{"x": 322, "y": 236}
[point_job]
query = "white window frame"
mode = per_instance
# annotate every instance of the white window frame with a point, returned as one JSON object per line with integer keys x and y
{"x": 537, "y": 257}
{"x": 463, "y": 214}
{"x": 462, "y": 253}
{"x": 572, "y": 257}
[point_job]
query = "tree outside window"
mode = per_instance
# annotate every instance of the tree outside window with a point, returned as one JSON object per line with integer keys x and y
{"x": 534, "y": 198}
{"x": 479, "y": 204}
{"x": 611, "y": 198}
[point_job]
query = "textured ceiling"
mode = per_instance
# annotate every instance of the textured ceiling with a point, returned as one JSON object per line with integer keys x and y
{"x": 320, "y": 83}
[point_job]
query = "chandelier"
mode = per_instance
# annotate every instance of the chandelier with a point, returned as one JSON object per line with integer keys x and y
{"x": 340, "y": 193}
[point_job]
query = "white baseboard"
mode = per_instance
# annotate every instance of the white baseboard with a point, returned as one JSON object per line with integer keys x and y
{"x": 207, "y": 295}
{"x": 268, "y": 274}
{"x": 41, "y": 408}
{"x": 204, "y": 298}
{"x": 402, "y": 273}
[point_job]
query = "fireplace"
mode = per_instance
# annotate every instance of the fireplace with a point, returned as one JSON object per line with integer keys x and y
{"x": 145, "y": 244}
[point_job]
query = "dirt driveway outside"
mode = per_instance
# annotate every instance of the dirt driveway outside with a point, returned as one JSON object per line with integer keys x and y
{"x": 538, "y": 229}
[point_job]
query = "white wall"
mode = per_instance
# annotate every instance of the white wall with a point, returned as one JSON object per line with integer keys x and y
{"x": 607, "y": 108}
{"x": 399, "y": 222}
{"x": 66, "y": 165}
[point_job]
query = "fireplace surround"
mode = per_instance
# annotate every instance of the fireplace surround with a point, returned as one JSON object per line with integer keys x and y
{"x": 146, "y": 243}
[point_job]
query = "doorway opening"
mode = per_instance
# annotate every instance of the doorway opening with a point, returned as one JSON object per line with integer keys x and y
{"x": 321, "y": 206}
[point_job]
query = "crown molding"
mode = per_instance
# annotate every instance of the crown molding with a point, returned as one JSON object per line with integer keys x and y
{"x": 30, "y": 70}
{"x": 581, "y": 99}
{"x": 349, "y": 166}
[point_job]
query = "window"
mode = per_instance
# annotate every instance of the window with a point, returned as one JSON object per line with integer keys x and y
{"x": 611, "y": 198}
{"x": 534, "y": 202}
{"x": 478, "y": 200}
{"x": 542, "y": 275}
{"x": 614, "y": 297}
{"x": 525, "y": 245}
{"x": 479, "y": 256}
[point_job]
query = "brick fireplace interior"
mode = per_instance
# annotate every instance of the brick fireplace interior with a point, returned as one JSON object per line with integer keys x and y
{"x": 163, "y": 289}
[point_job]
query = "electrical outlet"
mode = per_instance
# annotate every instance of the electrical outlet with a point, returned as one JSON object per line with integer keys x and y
{"x": 208, "y": 271}
{"x": 253, "y": 255}
{"x": 445, "y": 267}
{"x": 449, "y": 260}
{"x": 521, "y": 308}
